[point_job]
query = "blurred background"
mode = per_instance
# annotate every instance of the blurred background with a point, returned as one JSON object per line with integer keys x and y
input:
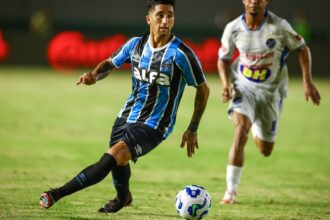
{"x": 75, "y": 34}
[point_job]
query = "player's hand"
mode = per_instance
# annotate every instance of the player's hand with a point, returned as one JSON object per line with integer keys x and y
{"x": 87, "y": 79}
{"x": 226, "y": 94}
{"x": 312, "y": 93}
{"x": 189, "y": 138}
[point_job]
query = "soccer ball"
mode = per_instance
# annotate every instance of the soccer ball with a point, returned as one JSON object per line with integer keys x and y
{"x": 193, "y": 202}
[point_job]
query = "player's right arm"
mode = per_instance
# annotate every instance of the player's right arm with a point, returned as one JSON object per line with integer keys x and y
{"x": 101, "y": 71}
{"x": 223, "y": 70}
{"x": 225, "y": 55}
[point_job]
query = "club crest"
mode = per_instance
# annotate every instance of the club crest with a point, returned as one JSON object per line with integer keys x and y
{"x": 271, "y": 42}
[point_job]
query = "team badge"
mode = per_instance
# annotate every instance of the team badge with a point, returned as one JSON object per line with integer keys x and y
{"x": 271, "y": 42}
{"x": 166, "y": 66}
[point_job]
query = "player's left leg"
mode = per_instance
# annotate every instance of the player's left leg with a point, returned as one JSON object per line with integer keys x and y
{"x": 121, "y": 175}
{"x": 265, "y": 126}
{"x": 140, "y": 139}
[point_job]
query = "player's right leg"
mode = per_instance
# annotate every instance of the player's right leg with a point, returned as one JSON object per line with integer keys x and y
{"x": 242, "y": 125}
{"x": 87, "y": 177}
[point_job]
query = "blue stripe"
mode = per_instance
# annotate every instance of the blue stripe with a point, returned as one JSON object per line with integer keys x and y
{"x": 164, "y": 92}
{"x": 146, "y": 57}
{"x": 184, "y": 65}
{"x": 159, "y": 110}
{"x": 130, "y": 98}
{"x": 169, "y": 56}
{"x": 175, "y": 107}
{"x": 125, "y": 52}
{"x": 139, "y": 101}
{"x": 285, "y": 54}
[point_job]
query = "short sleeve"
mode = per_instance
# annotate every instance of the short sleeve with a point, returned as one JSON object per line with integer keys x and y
{"x": 122, "y": 55}
{"x": 292, "y": 40}
{"x": 227, "y": 48}
{"x": 190, "y": 65}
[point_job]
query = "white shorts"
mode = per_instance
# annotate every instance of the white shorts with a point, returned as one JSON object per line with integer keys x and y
{"x": 264, "y": 114}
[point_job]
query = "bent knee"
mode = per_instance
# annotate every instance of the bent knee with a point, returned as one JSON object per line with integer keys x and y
{"x": 266, "y": 151}
{"x": 266, "y": 148}
{"x": 121, "y": 153}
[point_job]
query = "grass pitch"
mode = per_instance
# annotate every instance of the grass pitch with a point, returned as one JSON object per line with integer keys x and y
{"x": 50, "y": 129}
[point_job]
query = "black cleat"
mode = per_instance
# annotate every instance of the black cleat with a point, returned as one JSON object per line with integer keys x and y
{"x": 46, "y": 199}
{"x": 116, "y": 204}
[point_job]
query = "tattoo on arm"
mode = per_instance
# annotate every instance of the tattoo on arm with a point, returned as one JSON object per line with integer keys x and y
{"x": 103, "y": 69}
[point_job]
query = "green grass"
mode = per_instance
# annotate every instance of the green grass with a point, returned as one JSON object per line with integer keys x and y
{"x": 50, "y": 129}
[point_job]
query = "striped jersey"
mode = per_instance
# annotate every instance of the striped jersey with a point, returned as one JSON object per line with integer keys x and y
{"x": 159, "y": 76}
{"x": 260, "y": 66}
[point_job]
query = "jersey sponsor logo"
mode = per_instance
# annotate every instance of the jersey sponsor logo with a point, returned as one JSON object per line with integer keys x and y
{"x": 271, "y": 42}
{"x": 151, "y": 77}
{"x": 255, "y": 74}
{"x": 256, "y": 57}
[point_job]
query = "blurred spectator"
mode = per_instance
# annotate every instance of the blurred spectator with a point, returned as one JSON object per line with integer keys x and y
{"x": 301, "y": 24}
{"x": 41, "y": 22}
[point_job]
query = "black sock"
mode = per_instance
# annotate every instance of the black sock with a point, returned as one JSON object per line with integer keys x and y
{"x": 87, "y": 177}
{"x": 120, "y": 178}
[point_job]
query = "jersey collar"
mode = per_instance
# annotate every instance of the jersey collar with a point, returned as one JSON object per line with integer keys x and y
{"x": 266, "y": 15}
{"x": 160, "y": 48}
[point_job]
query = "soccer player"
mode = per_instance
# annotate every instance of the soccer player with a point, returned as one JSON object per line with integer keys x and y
{"x": 161, "y": 65}
{"x": 256, "y": 82}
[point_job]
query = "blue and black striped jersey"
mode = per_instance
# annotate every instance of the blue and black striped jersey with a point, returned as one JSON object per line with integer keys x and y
{"x": 159, "y": 78}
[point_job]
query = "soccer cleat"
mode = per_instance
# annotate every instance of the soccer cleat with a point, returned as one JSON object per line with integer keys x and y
{"x": 116, "y": 204}
{"x": 47, "y": 199}
{"x": 228, "y": 198}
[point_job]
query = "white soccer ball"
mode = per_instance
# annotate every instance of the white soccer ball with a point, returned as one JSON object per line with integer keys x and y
{"x": 193, "y": 202}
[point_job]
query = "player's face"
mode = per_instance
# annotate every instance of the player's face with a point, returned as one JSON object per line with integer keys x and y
{"x": 161, "y": 20}
{"x": 255, "y": 7}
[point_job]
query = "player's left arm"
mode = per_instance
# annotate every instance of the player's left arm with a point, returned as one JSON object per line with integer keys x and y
{"x": 305, "y": 61}
{"x": 189, "y": 137}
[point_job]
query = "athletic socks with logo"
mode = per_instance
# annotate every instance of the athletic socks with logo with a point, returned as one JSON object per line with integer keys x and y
{"x": 87, "y": 177}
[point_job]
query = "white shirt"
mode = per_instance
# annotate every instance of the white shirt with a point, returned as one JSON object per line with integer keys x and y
{"x": 260, "y": 66}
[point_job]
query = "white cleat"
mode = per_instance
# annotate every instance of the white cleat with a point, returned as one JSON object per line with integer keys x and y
{"x": 228, "y": 198}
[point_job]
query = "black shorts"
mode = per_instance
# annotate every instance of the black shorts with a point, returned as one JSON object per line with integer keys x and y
{"x": 139, "y": 137}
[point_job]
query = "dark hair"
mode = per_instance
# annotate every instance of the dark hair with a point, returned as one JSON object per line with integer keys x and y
{"x": 152, "y": 3}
